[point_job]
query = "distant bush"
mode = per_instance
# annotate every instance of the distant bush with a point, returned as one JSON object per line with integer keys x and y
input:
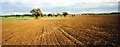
{"x": 64, "y": 14}
{"x": 73, "y": 15}
{"x": 45, "y": 15}
{"x": 49, "y": 15}
{"x": 17, "y": 15}
{"x": 55, "y": 15}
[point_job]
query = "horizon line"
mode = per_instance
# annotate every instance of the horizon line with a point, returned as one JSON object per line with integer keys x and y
{"x": 60, "y": 13}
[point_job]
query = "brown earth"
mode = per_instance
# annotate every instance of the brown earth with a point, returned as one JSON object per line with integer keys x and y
{"x": 79, "y": 30}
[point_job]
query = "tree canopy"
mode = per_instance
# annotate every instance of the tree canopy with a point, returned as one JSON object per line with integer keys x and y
{"x": 37, "y": 12}
{"x": 64, "y": 14}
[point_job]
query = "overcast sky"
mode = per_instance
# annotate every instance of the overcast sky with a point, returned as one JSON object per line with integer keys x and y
{"x": 58, "y": 6}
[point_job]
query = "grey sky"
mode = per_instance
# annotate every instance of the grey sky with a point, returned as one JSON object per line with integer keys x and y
{"x": 58, "y": 6}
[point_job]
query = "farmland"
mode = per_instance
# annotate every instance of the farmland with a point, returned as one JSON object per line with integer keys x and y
{"x": 78, "y": 30}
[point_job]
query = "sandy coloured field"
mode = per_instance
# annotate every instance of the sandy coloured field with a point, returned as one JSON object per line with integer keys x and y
{"x": 79, "y": 30}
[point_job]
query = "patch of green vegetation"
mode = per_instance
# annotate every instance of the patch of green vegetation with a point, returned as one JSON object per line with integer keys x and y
{"x": 18, "y": 18}
{"x": 46, "y": 18}
{"x": 29, "y": 18}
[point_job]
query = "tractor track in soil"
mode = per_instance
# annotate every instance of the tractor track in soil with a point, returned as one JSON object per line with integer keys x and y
{"x": 66, "y": 31}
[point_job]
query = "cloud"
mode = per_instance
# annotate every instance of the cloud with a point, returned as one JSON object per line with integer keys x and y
{"x": 52, "y": 6}
{"x": 55, "y": 3}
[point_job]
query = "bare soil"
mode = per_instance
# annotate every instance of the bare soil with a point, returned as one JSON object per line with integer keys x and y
{"x": 78, "y": 30}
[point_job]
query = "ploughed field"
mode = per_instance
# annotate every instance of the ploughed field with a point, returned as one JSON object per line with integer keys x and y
{"x": 78, "y": 30}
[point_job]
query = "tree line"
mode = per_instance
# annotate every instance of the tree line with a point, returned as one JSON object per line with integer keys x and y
{"x": 38, "y": 13}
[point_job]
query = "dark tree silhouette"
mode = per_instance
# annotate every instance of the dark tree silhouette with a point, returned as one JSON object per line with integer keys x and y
{"x": 64, "y": 14}
{"x": 49, "y": 15}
